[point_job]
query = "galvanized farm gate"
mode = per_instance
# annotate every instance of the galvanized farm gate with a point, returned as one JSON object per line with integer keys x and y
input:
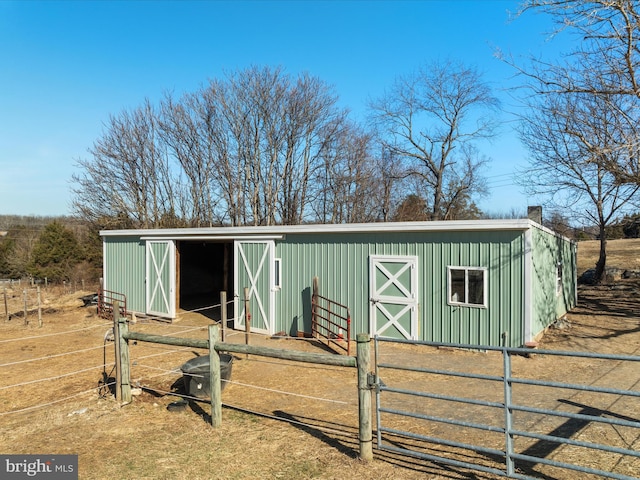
{"x": 471, "y": 409}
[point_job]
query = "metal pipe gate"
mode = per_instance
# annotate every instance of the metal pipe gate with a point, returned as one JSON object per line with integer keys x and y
{"x": 513, "y": 436}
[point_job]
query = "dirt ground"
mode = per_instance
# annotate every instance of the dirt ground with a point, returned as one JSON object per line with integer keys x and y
{"x": 288, "y": 420}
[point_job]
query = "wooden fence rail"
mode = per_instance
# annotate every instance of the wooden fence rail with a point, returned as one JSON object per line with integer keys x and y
{"x": 362, "y": 362}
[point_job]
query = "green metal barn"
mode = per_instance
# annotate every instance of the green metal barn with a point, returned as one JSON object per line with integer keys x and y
{"x": 484, "y": 282}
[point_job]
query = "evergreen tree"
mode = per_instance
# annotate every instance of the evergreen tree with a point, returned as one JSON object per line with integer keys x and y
{"x": 55, "y": 253}
{"x": 6, "y": 250}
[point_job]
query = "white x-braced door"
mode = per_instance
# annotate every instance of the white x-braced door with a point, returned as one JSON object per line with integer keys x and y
{"x": 161, "y": 278}
{"x": 394, "y": 296}
{"x": 253, "y": 271}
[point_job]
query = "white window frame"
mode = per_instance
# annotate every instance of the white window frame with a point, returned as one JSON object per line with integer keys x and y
{"x": 277, "y": 273}
{"x": 559, "y": 279}
{"x": 485, "y": 283}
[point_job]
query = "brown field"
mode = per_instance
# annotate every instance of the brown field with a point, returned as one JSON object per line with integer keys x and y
{"x": 623, "y": 254}
{"x": 280, "y": 419}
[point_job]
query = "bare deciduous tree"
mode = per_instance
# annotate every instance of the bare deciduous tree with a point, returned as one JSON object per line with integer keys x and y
{"x": 251, "y": 149}
{"x": 352, "y": 185}
{"x": 128, "y": 173}
{"x": 572, "y": 139}
{"x": 431, "y": 121}
{"x": 607, "y": 36}
{"x": 605, "y": 62}
{"x": 187, "y": 131}
{"x": 278, "y": 130}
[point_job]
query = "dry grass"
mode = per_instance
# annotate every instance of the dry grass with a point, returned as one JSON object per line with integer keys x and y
{"x": 623, "y": 254}
{"x": 309, "y": 435}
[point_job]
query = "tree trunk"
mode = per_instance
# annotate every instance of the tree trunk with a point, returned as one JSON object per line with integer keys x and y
{"x": 602, "y": 259}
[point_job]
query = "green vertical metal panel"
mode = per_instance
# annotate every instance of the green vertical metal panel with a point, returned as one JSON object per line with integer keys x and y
{"x": 341, "y": 261}
{"x": 124, "y": 269}
{"x": 548, "y": 251}
{"x": 253, "y": 262}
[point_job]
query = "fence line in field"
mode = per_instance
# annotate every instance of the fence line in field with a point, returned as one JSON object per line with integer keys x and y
{"x": 48, "y": 357}
{"x": 230, "y": 382}
{"x": 107, "y": 382}
{"x": 56, "y": 377}
{"x": 81, "y": 369}
{"x": 27, "y": 304}
{"x": 29, "y": 300}
{"x": 311, "y": 397}
{"x": 165, "y": 351}
{"x": 53, "y": 402}
{"x": 32, "y": 337}
{"x": 361, "y": 362}
{"x": 100, "y": 368}
{"x": 164, "y": 371}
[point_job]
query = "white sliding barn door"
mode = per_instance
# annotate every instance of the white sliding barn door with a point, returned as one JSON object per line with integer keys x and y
{"x": 161, "y": 278}
{"x": 253, "y": 270}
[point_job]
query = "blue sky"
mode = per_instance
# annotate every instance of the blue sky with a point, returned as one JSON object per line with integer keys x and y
{"x": 66, "y": 66}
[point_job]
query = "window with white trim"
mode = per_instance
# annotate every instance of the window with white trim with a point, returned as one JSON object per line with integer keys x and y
{"x": 467, "y": 286}
{"x": 558, "y": 278}
{"x": 277, "y": 273}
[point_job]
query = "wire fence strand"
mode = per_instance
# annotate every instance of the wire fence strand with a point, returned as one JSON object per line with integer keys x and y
{"x": 33, "y": 337}
{"x": 49, "y": 357}
{"x": 56, "y": 377}
{"x": 53, "y": 402}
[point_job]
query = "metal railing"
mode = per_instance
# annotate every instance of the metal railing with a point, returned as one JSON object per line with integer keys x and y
{"x": 331, "y": 321}
{"x": 514, "y": 418}
{"x": 106, "y": 301}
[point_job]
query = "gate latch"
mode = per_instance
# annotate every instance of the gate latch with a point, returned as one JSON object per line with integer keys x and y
{"x": 372, "y": 384}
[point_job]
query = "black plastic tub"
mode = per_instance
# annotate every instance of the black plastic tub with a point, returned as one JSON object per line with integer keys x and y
{"x": 195, "y": 374}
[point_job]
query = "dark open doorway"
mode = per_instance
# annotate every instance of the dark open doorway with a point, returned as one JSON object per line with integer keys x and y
{"x": 204, "y": 270}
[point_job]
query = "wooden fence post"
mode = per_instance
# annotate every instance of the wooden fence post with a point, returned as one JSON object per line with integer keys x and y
{"x": 123, "y": 380}
{"x": 215, "y": 378}
{"x": 314, "y": 303}
{"x": 247, "y": 318}
{"x": 363, "y": 361}
{"x": 223, "y": 314}
{"x": 24, "y": 297}
{"x": 348, "y": 332}
{"x": 39, "y": 308}
{"x": 125, "y": 374}
{"x": 6, "y": 306}
{"x": 116, "y": 342}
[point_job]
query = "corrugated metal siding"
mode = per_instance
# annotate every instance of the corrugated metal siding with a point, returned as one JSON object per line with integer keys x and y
{"x": 548, "y": 251}
{"x": 124, "y": 264}
{"x": 341, "y": 261}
